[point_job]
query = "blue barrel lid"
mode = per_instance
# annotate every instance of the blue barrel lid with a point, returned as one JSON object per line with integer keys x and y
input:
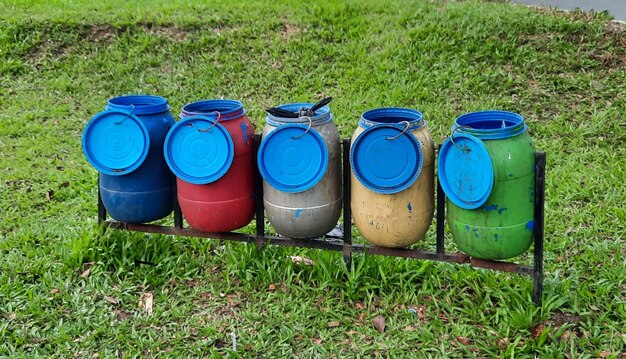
{"x": 199, "y": 150}
{"x": 465, "y": 170}
{"x": 293, "y": 158}
{"x": 115, "y": 142}
{"x": 386, "y": 158}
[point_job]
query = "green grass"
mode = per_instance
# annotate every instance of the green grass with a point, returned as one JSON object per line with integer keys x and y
{"x": 60, "y": 61}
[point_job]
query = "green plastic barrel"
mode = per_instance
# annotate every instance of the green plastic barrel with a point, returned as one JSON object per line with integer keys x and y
{"x": 487, "y": 171}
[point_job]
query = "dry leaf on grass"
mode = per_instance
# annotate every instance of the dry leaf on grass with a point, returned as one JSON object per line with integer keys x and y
{"x": 111, "y": 300}
{"x": 54, "y": 291}
{"x": 537, "y": 330}
{"x": 463, "y": 340}
{"x": 85, "y": 273}
{"x": 121, "y": 315}
{"x": 333, "y": 324}
{"x": 146, "y": 301}
{"x": 379, "y": 323}
{"x": 87, "y": 269}
{"x": 421, "y": 312}
{"x": 301, "y": 260}
{"x": 360, "y": 305}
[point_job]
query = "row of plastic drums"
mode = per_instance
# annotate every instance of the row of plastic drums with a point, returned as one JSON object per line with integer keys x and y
{"x": 486, "y": 168}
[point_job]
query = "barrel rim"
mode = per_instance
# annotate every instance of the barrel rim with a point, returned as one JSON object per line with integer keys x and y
{"x": 512, "y": 124}
{"x": 223, "y": 109}
{"x": 414, "y": 117}
{"x": 139, "y": 104}
{"x": 323, "y": 115}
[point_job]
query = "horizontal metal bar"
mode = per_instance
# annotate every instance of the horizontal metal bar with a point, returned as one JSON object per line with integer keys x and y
{"x": 304, "y": 243}
{"x": 188, "y": 232}
{"x": 327, "y": 245}
{"x": 411, "y": 253}
{"x": 501, "y": 266}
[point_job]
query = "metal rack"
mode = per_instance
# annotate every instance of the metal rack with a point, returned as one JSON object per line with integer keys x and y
{"x": 346, "y": 246}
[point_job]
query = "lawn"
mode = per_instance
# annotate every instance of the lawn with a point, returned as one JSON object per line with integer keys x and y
{"x": 66, "y": 290}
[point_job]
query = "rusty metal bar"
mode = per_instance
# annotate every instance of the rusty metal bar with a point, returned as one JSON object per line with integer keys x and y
{"x": 325, "y": 245}
{"x": 347, "y": 210}
{"x": 410, "y": 253}
{"x": 187, "y": 232}
{"x": 303, "y": 243}
{"x": 540, "y": 196}
{"x": 501, "y": 266}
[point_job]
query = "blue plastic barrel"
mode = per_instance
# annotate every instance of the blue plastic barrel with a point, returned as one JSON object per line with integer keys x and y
{"x": 125, "y": 144}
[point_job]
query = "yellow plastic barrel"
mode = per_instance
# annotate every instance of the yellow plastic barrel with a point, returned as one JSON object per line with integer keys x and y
{"x": 392, "y": 161}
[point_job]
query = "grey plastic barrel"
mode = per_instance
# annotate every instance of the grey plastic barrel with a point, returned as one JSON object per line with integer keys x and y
{"x": 297, "y": 212}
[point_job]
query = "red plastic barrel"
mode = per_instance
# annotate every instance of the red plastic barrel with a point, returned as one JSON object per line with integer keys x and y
{"x": 226, "y": 203}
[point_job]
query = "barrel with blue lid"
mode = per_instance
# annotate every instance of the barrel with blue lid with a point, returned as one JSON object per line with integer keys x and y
{"x": 210, "y": 150}
{"x": 487, "y": 171}
{"x": 392, "y": 190}
{"x": 300, "y": 162}
{"x": 125, "y": 144}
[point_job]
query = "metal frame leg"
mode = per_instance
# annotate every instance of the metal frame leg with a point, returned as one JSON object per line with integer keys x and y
{"x": 258, "y": 187}
{"x": 441, "y": 217}
{"x": 540, "y": 193}
{"x": 178, "y": 214}
{"x": 102, "y": 211}
{"x": 347, "y": 210}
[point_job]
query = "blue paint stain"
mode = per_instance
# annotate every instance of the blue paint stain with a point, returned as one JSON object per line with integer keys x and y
{"x": 530, "y": 225}
{"x": 410, "y": 207}
{"x": 475, "y": 230}
{"x": 510, "y": 175}
{"x": 298, "y": 211}
{"x": 497, "y": 236}
{"x": 244, "y": 132}
{"x": 491, "y": 207}
{"x": 502, "y": 210}
{"x": 467, "y": 227}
